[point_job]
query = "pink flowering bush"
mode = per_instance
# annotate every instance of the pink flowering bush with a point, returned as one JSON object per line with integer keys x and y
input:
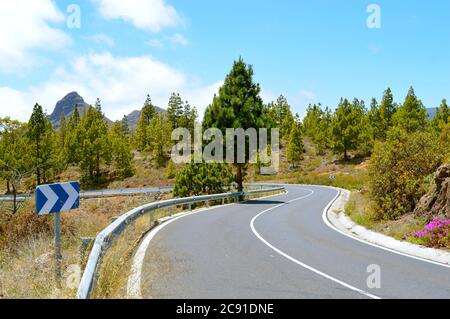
{"x": 436, "y": 233}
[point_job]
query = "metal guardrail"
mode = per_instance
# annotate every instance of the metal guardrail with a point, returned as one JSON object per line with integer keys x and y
{"x": 100, "y": 193}
{"x": 106, "y": 238}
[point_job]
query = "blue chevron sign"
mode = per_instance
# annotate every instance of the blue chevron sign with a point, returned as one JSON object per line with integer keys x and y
{"x": 56, "y": 198}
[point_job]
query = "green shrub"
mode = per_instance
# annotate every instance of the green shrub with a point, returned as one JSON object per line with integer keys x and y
{"x": 205, "y": 178}
{"x": 398, "y": 169}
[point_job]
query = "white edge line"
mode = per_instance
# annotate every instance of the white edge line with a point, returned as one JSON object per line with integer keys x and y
{"x": 329, "y": 224}
{"x": 134, "y": 280}
{"x": 252, "y": 225}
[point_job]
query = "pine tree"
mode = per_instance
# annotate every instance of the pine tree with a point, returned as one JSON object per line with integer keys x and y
{"x": 94, "y": 144}
{"x": 295, "y": 148}
{"x": 122, "y": 154}
{"x": 189, "y": 117}
{"x": 387, "y": 109}
{"x": 316, "y": 124}
{"x": 442, "y": 116}
{"x": 381, "y": 116}
{"x": 346, "y": 127}
{"x": 147, "y": 114}
{"x": 14, "y": 150}
{"x": 76, "y": 115}
{"x": 366, "y": 133}
{"x": 412, "y": 115}
{"x": 175, "y": 110}
{"x": 238, "y": 105}
{"x": 125, "y": 126}
{"x": 376, "y": 121}
{"x": 282, "y": 117}
{"x": 15, "y": 164}
{"x": 40, "y": 136}
{"x": 72, "y": 145}
{"x": 159, "y": 132}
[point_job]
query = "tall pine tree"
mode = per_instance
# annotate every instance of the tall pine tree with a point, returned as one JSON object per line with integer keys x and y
{"x": 175, "y": 110}
{"x": 40, "y": 136}
{"x": 147, "y": 114}
{"x": 295, "y": 148}
{"x": 412, "y": 115}
{"x": 238, "y": 105}
{"x": 346, "y": 128}
{"x": 95, "y": 148}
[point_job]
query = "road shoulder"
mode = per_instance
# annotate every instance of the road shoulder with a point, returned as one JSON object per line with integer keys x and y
{"x": 336, "y": 218}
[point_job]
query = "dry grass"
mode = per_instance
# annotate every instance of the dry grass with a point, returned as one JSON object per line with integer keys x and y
{"x": 116, "y": 263}
{"x": 26, "y": 254}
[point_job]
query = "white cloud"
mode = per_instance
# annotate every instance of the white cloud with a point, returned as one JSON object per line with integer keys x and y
{"x": 173, "y": 41}
{"x": 179, "y": 39}
{"x": 122, "y": 84}
{"x": 25, "y": 27}
{"x": 14, "y": 104}
{"x": 102, "y": 39}
{"x": 150, "y": 15}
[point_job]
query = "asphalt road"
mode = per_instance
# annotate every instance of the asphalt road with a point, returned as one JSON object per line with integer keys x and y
{"x": 276, "y": 248}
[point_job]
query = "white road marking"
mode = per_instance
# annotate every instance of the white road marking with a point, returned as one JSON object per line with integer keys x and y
{"x": 135, "y": 279}
{"x": 329, "y": 224}
{"x": 252, "y": 226}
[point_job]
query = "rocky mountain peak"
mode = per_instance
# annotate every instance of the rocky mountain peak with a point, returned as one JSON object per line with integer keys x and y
{"x": 66, "y": 107}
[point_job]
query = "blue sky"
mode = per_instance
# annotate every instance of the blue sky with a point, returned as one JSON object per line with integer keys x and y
{"x": 310, "y": 51}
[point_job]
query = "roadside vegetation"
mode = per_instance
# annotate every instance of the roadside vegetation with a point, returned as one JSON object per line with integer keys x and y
{"x": 27, "y": 250}
{"x": 386, "y": 153}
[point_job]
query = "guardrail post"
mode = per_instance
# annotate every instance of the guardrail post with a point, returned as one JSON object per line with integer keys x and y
{"x": 207, "y": 203}
{"x": 223, "y": 201}
{"x": 190, "y": 207}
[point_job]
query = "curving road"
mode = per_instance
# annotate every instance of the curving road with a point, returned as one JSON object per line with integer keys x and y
{"x": 278, "y": 247}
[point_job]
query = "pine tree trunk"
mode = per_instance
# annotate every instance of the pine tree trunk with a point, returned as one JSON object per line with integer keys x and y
{"x": 8, "y": 188}
{"x": 15, "y": 206}
{"x": 98, "y": 169}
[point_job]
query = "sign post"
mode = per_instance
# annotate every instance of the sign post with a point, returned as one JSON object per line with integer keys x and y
{"x": 54, "y": 199}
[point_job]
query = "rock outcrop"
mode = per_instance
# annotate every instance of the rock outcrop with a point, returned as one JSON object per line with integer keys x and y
{"x": 66, "y": 107}
{"x": 437, "y": 201}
